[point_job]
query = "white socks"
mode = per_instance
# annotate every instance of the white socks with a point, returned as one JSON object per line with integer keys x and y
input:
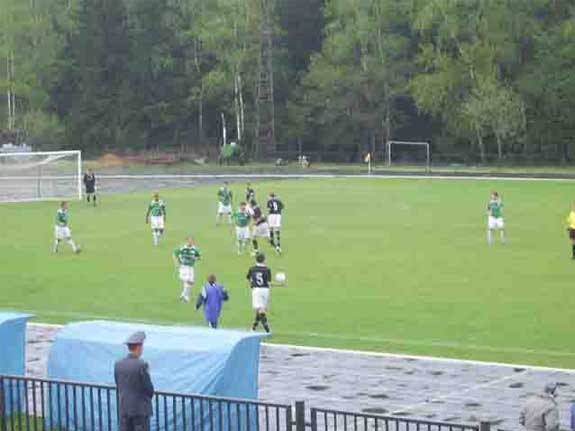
{"x": 186, "y": 293}
{"x": 74, "y": 248}
{"x": 490, "y": 236}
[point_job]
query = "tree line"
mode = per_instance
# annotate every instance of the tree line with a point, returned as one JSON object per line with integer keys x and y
{"x": 481, "y": 79}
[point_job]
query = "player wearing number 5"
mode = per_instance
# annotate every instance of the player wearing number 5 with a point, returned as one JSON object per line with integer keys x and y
{"x": 275, "y": 208}
{"x": 259, "y": 277}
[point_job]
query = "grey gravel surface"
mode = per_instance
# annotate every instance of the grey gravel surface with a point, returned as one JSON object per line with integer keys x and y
{"x": 442, "y": 390}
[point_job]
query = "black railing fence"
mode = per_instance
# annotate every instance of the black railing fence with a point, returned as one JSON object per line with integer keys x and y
{"x": 32, "y": 404}
{"x": 333, "y": 420}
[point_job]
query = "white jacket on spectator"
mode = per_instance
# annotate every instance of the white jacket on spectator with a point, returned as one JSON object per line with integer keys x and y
{"x": 540, "y": 412}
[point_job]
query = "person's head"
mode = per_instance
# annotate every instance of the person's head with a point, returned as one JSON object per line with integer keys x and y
{"x": 190, "y": 240}
{"x": 272, "y": 195}
{"x": 260, "y": 258}
{"x": 253, "y": 203}
{"x": 90, "y": 171}
{"x": 226, "y": 184}
{"x": 135, "y": 343}
{"x": 211, "y": 278}
{"x": 64, "y": 205}
{"x": 249, "y": 185}
{"x": 243, "y": 206}
{"x": 156, "y": 196}
{"x": 136, "y": 349}
{"x": 550, "y": 389}
{"x": 494, "y": 195}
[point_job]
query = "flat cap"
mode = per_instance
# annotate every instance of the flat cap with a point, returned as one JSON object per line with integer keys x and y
{"x": 136, "y": 338}
{"x": 550, "y": 388}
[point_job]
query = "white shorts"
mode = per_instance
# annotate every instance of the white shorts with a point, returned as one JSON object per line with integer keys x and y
{"x": 275, "y": 221}
{"x": 260, "y": 298}
{"x": 261, "y": 230}
{"x": 495, "y": 223}
{"x": 157, "y": 222}
{"x": 224, "y": 209}
{"x": 187, "y": 274}
{"x": 62, "y": 232}
{"x": 243, "y": 233}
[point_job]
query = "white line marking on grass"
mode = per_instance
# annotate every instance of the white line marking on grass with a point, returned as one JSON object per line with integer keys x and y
{"x": 353, "y": 352}
{"x": 330, "y": 176}
{"x": 444, "y": 344}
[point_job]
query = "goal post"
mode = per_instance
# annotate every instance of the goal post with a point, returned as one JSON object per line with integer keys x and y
{"x": 420, "y": 152}
{"x": 38, "y": 176}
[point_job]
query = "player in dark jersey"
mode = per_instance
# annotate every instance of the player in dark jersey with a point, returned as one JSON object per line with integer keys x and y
{"x": 275, "y": 208}
{"x": 260, "y": 277}
{"x": 90, "y": 184}
{"x": 260, "y": 226}
{"x": 250, "y": 193}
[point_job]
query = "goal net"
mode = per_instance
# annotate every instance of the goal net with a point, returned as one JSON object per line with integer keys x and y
{"x": 405, "y": 153}
{"x": 40, "y": 176}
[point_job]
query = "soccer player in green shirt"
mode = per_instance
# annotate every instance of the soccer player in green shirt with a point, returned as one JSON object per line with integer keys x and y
{"x": 495, "y": 218}
{"x": 225, "y": 200}
{"x": 185, "y": 257}
{"x": 156, "y": 215}
{"x": 241, "y": 219}
{"x": 62, "y": 230}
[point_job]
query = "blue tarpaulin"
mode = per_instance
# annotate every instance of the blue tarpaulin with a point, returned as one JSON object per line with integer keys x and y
{"x": 13, "y": 353}
{"x": 182, "y": 359}
{"x": 13, "y": 343}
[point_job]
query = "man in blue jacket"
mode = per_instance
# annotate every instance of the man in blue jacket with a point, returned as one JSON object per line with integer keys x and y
{"x": 212, "y": 297}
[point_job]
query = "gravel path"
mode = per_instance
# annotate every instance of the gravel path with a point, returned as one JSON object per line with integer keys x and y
{"x": 445, "y": 390}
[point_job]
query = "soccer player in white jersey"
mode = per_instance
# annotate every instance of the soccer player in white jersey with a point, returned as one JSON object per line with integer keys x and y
{"x": 495, "y": 218}
{"x": 185, "y": 258}
{"x": 62, "y": 229}
{"x": 156, "y": 216}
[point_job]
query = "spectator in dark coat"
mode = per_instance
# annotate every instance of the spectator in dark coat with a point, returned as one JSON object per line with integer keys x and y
{"x": 134, "y": 386}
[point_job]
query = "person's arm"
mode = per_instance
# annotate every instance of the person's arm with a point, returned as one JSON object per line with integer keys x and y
{"x": 225, "y": 295}
{"x": 164, "y": 212}
{"x": 201, "y": 298}
{"x": 552, "y": 419}
{"x": 522, "y": 417}
{"x": 176, "y": 258}
{"x": 148, "y": 213}
{"x": 146, "y": 381}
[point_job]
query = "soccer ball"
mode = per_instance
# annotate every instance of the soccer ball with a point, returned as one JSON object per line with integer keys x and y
{"x": 281, "y": 278}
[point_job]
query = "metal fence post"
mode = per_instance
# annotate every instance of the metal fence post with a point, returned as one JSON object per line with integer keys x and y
{"x": 299, "y": 416}
{"x": 3, "y": 419}
{"x": 484, "y": 426}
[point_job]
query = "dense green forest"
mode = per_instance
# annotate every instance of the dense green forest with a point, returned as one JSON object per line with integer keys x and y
{"x": 482, "y": 80}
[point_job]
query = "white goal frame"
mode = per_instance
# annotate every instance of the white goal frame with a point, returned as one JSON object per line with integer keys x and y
{"x": 427, "y": 145}
{"x": 76, "y": 153}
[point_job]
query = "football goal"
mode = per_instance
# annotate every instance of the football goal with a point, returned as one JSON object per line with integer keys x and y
{"x": 409, "y": 154}
{"x": 37, "y": 176}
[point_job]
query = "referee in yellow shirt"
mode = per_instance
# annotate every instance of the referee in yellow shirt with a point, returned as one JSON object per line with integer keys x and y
{"x": 571, "y": 227}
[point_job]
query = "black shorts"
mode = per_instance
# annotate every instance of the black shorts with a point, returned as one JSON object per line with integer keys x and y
{"x": 90, "y": 190}
{"x": 571, "y": 234}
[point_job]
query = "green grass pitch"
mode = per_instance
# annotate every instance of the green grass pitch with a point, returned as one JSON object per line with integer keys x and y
{"x": 381, "y": 264}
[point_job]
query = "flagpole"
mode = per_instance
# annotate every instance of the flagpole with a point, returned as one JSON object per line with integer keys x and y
{"x": 369, "y": 163}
